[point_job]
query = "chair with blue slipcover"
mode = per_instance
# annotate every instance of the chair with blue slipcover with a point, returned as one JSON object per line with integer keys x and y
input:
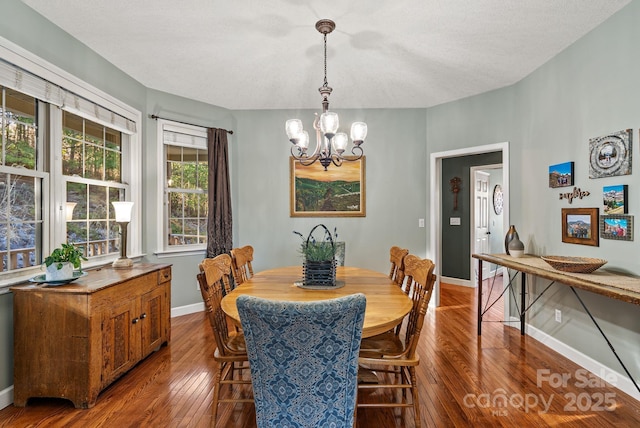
{"x": 304, "y": 359}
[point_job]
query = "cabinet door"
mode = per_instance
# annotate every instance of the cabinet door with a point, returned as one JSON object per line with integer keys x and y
{"x": 153, "y": 319}
{"x": 120, "y": 343}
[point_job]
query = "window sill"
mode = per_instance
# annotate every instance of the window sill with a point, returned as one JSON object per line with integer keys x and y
{"x": 181, "y": 252}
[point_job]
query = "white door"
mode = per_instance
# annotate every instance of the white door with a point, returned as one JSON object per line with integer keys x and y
{"x": 481, "y": 218}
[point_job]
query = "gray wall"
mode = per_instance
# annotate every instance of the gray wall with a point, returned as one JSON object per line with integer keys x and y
{"x": 395, "y": 188}
{"x": 588, "y": 90}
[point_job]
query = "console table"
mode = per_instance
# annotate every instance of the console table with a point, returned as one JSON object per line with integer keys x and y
{"x": 72, "y": 341}
{"x": 603, "y": 282}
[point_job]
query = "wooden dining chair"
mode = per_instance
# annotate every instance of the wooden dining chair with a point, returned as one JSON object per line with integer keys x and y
{"x": 212, "y": 267}
{"x": 396, "y": 257}
{"x": 304, "y": 359}
{"x": 231, "y": 353}
{"x": 395, "y": 356}
{"x": 242, "y": 268}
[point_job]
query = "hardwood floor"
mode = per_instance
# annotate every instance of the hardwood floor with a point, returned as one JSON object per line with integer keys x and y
{"x": 465, "y": 380}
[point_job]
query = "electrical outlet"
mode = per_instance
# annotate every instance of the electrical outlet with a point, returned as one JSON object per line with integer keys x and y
{"x": 420, "y": 222}
{"x": 558, "y": 315}
{"x": 198, "y": 286}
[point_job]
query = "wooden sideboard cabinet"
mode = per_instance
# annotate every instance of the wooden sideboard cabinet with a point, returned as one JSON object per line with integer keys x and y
{"x": 71, "y": 341}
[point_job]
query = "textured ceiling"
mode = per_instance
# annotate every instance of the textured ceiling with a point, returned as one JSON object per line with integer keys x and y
{"x": 257, "y": 54}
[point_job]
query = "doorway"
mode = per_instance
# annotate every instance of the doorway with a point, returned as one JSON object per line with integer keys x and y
{"x": 436, "y": 185}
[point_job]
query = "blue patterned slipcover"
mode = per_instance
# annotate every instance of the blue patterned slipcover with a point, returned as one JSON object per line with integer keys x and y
{"x": 304, "y": 359}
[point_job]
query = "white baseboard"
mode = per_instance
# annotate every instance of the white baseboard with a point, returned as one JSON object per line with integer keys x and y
{"x": 457, "y": 281}
{"x": 622, "y": 382}
{"x": 186, "y": 310}
{"x": 6, "y": 397}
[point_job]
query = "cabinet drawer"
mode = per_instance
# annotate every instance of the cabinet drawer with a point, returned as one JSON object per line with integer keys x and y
{"x": 164, "y": 275}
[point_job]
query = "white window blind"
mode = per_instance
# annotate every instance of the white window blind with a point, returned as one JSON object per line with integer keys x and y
{"x": 21, "y": 80}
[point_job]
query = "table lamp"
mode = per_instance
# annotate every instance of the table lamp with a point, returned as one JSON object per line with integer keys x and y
{"x": 123, "y": 217}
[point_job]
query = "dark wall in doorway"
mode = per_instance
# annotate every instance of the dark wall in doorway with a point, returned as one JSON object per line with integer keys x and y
{"x": 456, "y": 250}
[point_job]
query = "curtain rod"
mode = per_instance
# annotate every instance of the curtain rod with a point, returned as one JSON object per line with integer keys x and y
{"x": 153, "y": 116}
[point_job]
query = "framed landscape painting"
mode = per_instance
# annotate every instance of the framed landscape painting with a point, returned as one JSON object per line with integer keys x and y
{"x": 336, "y": 192}
{"x": 561, "y": 175}
{"x": 580, "y": 226}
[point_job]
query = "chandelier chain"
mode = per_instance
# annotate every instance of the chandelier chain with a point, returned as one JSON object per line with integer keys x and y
{"x": 325, "y": 61}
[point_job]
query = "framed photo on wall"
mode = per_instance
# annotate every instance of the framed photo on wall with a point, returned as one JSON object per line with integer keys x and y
{"x": 614, "y": 199}
{"x": 610, "y": 155}
{"x": 561, "y": 175}
{"x": 336, "y": 192}
{"x": 618, "y": 227}
{"x": 580, "y": 226}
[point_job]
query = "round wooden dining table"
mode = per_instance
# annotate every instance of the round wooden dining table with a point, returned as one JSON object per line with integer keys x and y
{"x": 387, "y": 304}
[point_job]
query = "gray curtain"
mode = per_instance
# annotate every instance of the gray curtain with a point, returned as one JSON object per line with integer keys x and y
{"x": 219, "y": 230}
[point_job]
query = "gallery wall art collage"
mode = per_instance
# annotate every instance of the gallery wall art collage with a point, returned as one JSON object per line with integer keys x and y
{"x": 609, "y": 156}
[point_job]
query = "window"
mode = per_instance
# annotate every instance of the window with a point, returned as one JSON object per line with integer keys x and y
{"x": 63, "y": 160}
{"x": 185, "y": 196}
{"x": 92, "y": 167}
{"x": 20, "y": 182}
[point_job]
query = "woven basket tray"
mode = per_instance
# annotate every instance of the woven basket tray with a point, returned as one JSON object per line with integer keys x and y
{"x": 574, "y": 264}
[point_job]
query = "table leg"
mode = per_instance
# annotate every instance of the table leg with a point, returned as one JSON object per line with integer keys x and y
{"x": 479, "y": 297}
{"x": 523, "y": 292}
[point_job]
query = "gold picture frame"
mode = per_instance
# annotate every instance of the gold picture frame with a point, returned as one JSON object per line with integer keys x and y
{"x": 336, "y": 192}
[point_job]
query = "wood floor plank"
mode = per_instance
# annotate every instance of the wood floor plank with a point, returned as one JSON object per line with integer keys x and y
{"x": 457, "y": 371}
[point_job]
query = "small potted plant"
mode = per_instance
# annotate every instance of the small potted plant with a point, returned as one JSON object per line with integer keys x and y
{"x": 62, "y": 261}
{"x": 319, "y": 265}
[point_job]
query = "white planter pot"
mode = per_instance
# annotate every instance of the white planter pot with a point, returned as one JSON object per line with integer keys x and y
{"x": 55, "y": 274}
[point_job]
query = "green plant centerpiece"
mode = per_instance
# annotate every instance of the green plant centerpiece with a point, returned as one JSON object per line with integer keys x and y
{"x": 62, "y": 261}
{"x": 319, "y": 258}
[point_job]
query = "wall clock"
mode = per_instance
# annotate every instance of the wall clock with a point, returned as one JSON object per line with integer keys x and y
{"x": 497, "y": 199}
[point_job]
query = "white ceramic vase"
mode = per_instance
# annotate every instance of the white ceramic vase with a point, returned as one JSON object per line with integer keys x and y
{"x": 55, "y": 274}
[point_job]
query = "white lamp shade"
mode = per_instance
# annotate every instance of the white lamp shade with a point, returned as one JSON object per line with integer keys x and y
{"x": 329, "y": 123}
{"x": 293, "y": 127}
{"x": 123, "y": 211}
{"x": 69, "y": 212}
{"x": 340, "y": 142}
{"x": 303, "y": 140}
{"x": 358, "y": 131}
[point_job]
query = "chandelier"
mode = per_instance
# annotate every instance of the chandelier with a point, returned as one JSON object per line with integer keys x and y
{"x": 330, "y": 144}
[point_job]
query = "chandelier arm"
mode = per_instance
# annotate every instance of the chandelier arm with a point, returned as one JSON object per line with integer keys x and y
{"x": 307, "y": 161}
{"x": 337, "y": 160}
{"x": 357, "y": 152}
{"x": 300, "y": 155}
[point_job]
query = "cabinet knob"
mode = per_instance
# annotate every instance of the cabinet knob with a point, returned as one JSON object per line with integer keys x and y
{"x": 134, "y": 321}
{"x": 143, "y": 316}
